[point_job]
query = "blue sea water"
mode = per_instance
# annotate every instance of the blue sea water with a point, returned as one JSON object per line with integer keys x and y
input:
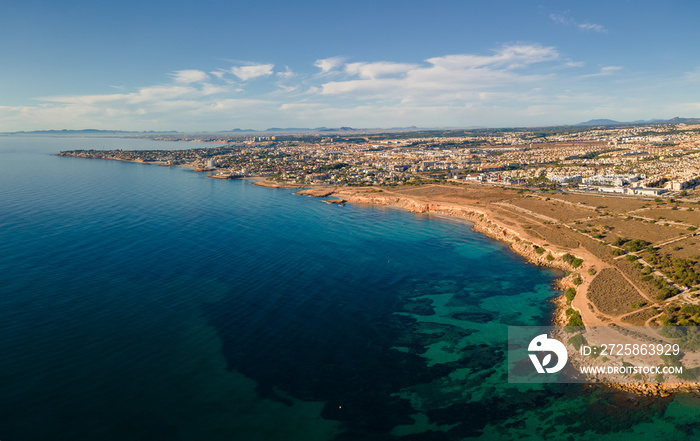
{"x": 151, "y": 303}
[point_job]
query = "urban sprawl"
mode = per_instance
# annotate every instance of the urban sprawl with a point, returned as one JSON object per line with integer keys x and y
{"x": 653, "y": 160}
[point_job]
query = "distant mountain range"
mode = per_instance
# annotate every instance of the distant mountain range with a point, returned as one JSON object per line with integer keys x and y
{"x": 237, "y": 131}
{"x": 600, "y": 122}
{"x": 610, "y": 122}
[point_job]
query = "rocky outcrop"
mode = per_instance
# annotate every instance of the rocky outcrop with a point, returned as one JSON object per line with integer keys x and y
{"x": 658, "y": 390}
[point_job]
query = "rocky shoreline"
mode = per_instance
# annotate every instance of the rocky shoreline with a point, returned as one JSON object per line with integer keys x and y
{"x": 483, "y": 223}
{"x": 479, "y": 218}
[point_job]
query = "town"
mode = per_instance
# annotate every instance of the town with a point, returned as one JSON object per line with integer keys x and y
{"x": 650, "y": 160}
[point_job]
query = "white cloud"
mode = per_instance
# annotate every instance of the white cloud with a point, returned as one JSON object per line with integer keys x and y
{"x": 559, "y": 18}
{"x": 563, "y": 19}
{"x": 213, "y": 89}
{"x": 508, "y": 57}
{"x": 446, "y": 78}
{"x": 287, "y": 74}
{"x": 604, "y": 72}
{"x": 145, "y": 94}
{"x": 514, "y": 84}
{"x": 374, "y": 70}
{"x": 218, "y": 74}
{"x": 592, "y": 27}
{"x": 252, "y": 71}
{"x": 189, "y": 76}
{"x": 328, "y": 64}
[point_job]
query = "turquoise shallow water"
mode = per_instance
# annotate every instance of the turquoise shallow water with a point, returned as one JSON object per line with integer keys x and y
{"x": 144, "y": 302}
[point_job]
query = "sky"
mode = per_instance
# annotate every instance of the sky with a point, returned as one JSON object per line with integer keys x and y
{"x": 214, "y": 65}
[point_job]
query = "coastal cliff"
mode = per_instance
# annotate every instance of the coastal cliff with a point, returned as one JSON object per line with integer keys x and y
{"x": 480, "y": 219}
{"x": 538, "y": 252}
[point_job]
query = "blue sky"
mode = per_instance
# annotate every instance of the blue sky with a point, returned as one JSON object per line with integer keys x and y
{"x": 218, "y": 65}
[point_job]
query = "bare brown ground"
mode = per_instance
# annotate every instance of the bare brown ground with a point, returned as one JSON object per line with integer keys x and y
{"x": 561, "y": 236}
{"x": 688, "y": 248}
{"x": 612, "y": 294}
{"x": 559, "y": 211}
{"x": 455, "y": 194}
{"x": 667, "y": 214}
{"x": 601, "y": 251}
{"x": 635, "y": 229}
{"x": 612, "y": 203}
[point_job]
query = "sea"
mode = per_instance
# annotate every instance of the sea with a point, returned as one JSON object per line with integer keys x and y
{"x": 142, "y": 302}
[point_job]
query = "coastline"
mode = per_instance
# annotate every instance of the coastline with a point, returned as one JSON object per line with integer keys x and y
{"x": 507, "y": 223}
{"x": 480, "y": 215}
{"x": 480, "y": 219}
{"x": 484, "y": 221}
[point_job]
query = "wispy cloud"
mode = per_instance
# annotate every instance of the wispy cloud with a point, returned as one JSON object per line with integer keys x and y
{"x": 604, "y": 72}
{"x": 559, "y": 18}
{"x": 377, "y": 69}
{"x": 574, "y": 64}
{"x": 252, "y": 71}
{"x": 287, "y": 74}
{"x": 218, "y": 73}
{"x": 143, "y": 95}
{"x": 451, "y": 77}
{"x": 563, "y": 19}
{"x": 514, "y": 82}
{"x": 591, "y": 27}
{"x": 189, "y": 76}
{"x": 328, "y": 64}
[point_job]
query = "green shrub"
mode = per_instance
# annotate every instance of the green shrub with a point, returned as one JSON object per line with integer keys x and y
{"x": 620, "y": 241}
{"x": 577, "y": 341}
{"x": 637, "y": 245}
{"x": 570, "y": 293}
{"x": 575, "y": 318}
{"x": 571, "y": 260}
